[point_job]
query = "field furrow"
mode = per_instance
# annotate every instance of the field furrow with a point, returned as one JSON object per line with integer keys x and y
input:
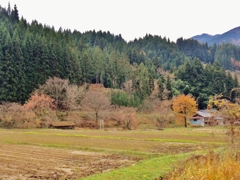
{"x": 31, "y": 162}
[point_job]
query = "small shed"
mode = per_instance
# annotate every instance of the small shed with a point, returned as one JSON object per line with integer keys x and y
{"x": 202, "y": 118}
{"x": 63, "y": 125}
{"x": 207, "y": 117}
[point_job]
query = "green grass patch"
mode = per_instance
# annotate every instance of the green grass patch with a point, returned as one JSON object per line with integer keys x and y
{"x": 111, "y": 137}
{"x": 136, "y": 154}
{"x": 118, "y": 137}
{"x": 143, "y": 170}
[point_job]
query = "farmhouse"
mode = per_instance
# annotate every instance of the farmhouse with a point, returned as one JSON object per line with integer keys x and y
{"x": 63, "y": 125}
{"x": 206, "y": 117}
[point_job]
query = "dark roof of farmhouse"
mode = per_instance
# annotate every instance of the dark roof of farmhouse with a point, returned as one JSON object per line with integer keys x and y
{"x": 63, "y": 123}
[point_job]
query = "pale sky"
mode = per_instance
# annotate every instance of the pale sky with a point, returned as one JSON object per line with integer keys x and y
{"x": 134, "y": 18}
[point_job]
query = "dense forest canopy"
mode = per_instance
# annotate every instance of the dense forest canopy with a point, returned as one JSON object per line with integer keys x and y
{"x": 30, "y": 53}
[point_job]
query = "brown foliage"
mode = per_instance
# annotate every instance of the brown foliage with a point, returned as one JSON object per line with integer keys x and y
{"x": 130, "y": 121}
{"x": 185, "y": 107}
{"x": 13, "y": 115}
{"x": 235, "y": 63}
{"x": 39, "y": 103}
{"x": 166, "y": 115}
{"x": 127, "y": 117}
{"x": 42, "y": 105}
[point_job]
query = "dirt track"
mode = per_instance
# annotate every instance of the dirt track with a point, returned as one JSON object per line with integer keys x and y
{"x": 31, "y": 162}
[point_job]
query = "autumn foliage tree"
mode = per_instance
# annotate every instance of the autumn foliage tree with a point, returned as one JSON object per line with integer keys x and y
{"x": 230, "y": 111}
{"x": 41, "y": 104}
{"x": 226, "y": 109}
{"x": 184, "y": 106}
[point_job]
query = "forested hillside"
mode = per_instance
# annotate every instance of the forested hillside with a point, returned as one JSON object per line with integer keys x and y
{"x": 30, "y": 53}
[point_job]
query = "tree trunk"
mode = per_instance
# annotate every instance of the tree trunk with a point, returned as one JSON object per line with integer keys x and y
{"x": 128, "y": 125}
{"x": 185, "y": 121}
{"x": 231, "y": 134}
{"x": 185, "y": 118}
{"x": 96, "y": 119}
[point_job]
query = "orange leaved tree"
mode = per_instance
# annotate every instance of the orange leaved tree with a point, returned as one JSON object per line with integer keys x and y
{"x": 184, "y": 106}
{"x": 40, "y": 104}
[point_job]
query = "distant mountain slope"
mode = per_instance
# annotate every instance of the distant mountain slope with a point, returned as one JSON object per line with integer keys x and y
{"x": 203, "y": 38}
{"x": 232, "y": 36}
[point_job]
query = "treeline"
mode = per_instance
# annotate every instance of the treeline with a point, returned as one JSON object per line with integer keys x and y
{"x": 30, "y": 53}
{"x": 203, "y": 81}
{"x": 228, "y": 55}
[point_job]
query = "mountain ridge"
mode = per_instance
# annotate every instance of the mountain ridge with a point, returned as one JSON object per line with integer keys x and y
{"x": 231, "y": 36}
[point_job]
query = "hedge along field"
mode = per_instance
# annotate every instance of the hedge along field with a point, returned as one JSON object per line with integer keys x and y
{"x": 104, "y": 154}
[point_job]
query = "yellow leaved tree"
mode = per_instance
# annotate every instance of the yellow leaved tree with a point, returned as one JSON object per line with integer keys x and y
{"x": 228, "y": 110}
{"x": 184, "y": 106}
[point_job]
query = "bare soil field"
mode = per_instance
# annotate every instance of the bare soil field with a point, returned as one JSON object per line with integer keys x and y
{"x": 31, "y": 162}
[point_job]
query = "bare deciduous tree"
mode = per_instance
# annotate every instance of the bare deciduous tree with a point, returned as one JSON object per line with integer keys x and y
{"x": 127, "y": 117}
{"x": 66, "y": 96}
{"x": 56, "y": 88}
{"x": 96, "y": 101}
{"x": 165, "y": 114}
{"x": 74, "y": 96}
{"x": 129, "y": 120}
{"x": 14, "y": 115}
